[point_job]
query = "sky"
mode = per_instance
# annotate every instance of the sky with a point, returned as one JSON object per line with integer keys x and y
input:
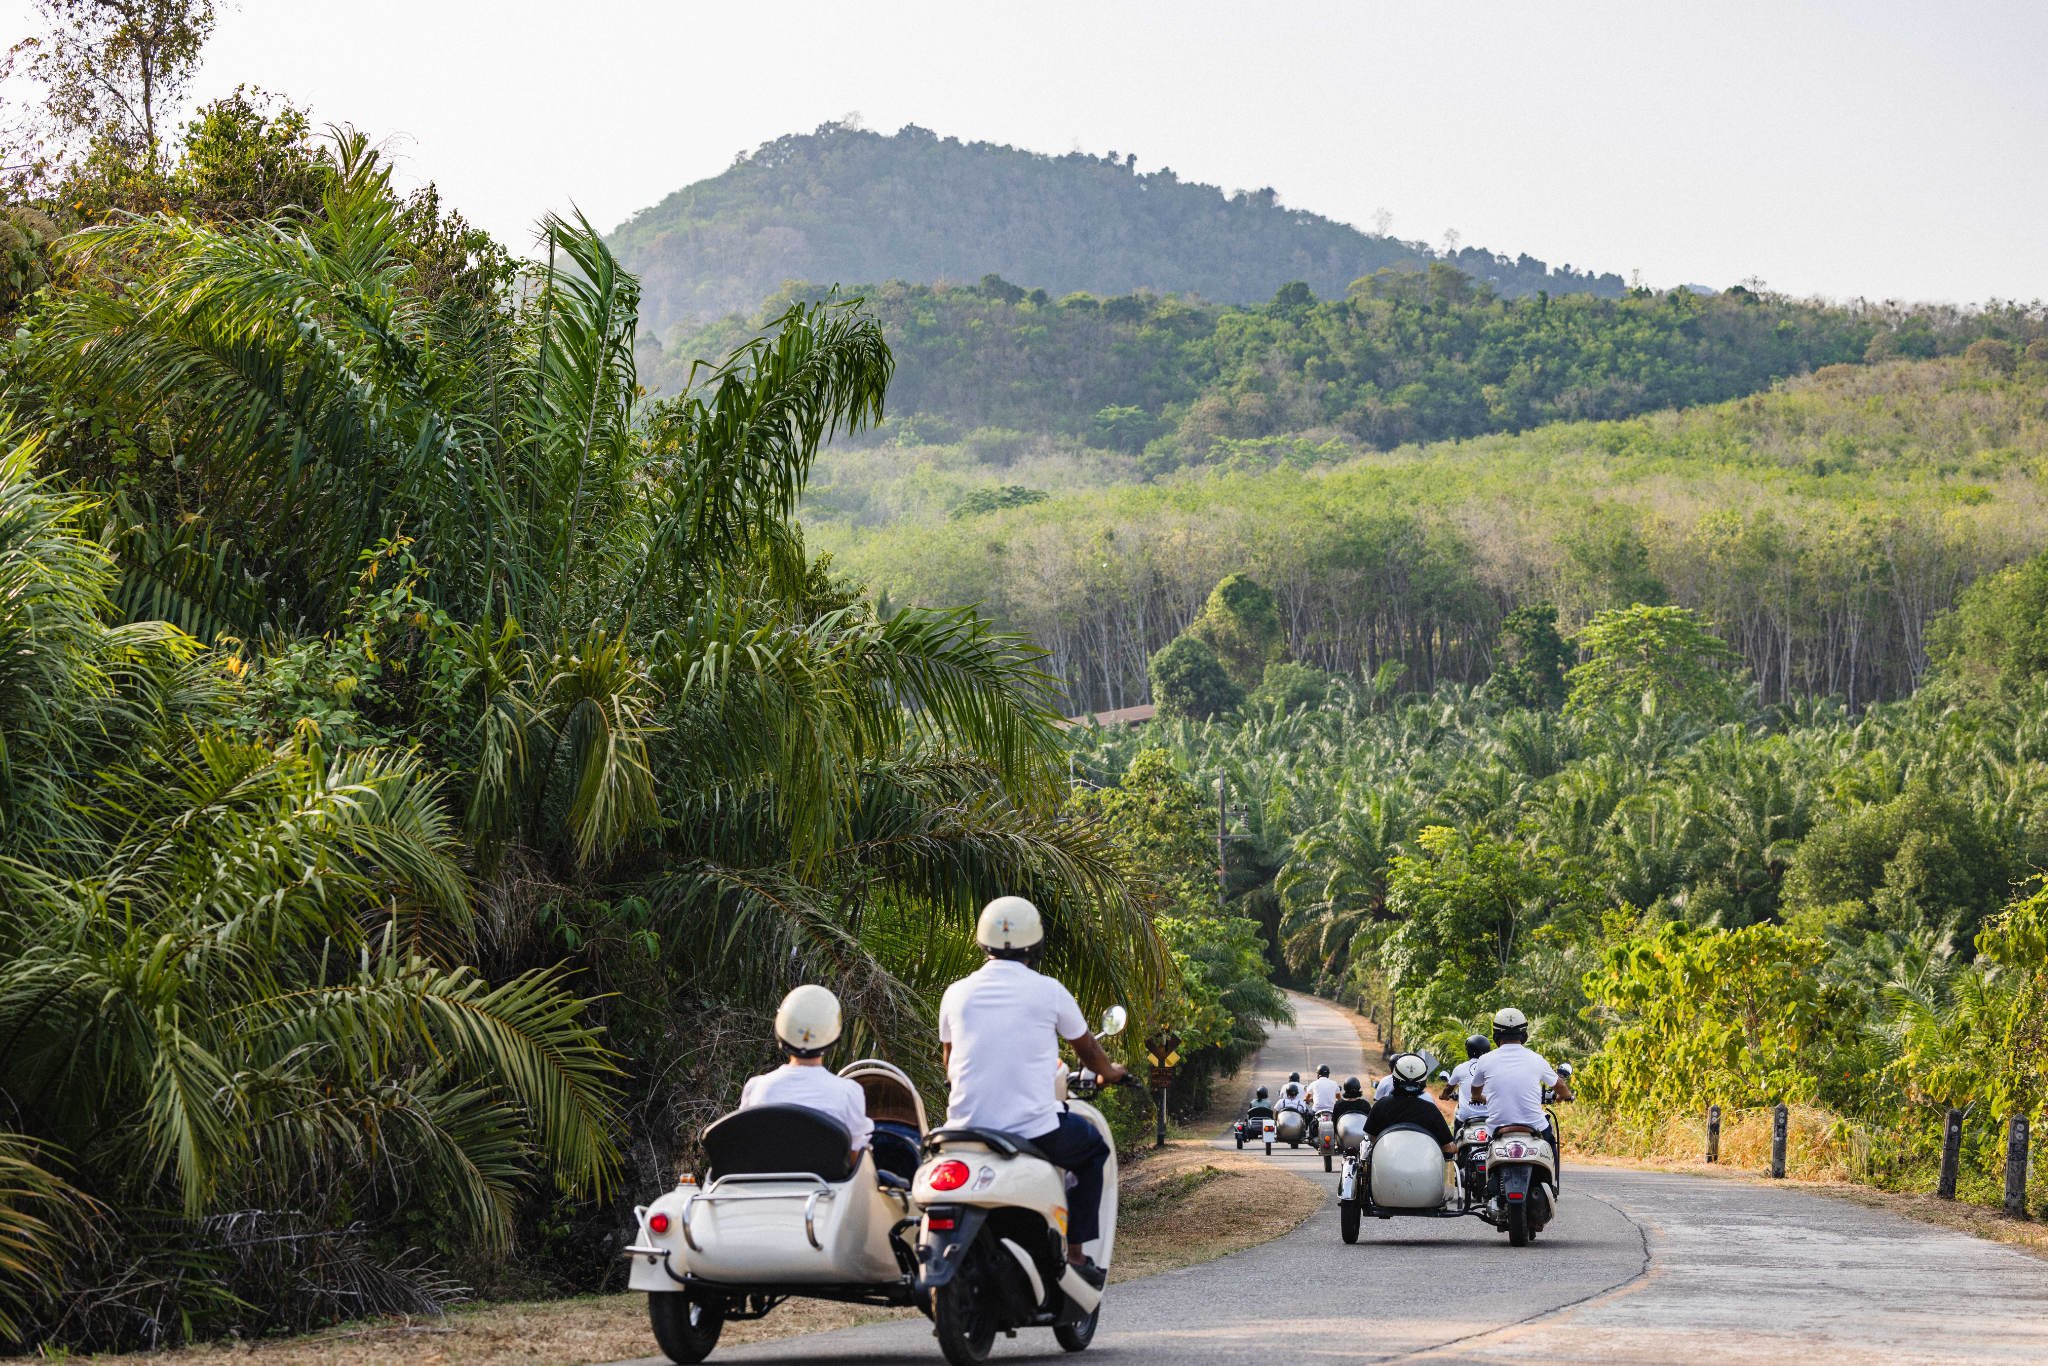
{"x": 1845, "y": 148}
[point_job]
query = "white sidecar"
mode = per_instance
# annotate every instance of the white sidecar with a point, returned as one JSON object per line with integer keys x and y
{"x": 782, "y": 1213}
{"x": 1406, "y": 1171}
{"x": 1403, "y": 1171}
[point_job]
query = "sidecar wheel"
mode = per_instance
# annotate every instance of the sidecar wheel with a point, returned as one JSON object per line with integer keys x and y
{"x": 685, "y": 1327}
{"x": 1269, "y": 1150}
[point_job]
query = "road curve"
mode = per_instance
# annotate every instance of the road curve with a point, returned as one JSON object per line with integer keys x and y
{"x": 1638, "y": 1267}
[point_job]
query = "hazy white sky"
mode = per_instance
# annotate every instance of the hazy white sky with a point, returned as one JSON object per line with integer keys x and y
{"x": 1844, "y": 147}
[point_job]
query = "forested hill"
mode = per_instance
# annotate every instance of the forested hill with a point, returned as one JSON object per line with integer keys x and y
{"x": 846, "y": 205}
{"x": 1404, "y": 356}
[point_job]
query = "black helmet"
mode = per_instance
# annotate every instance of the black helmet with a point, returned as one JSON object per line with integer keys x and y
{"x": 1259, "y": 1094}
{"x": 1477, "y": 1045}
{"x": 1294, "y": 1076}
{"x": 1411, "y": 1074}
{"x": 1352, "y": 1089}
{"x": 1323, "y": 1071}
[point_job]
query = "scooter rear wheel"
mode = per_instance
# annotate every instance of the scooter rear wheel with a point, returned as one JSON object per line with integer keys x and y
{"x": 1075, "y": 1337}
{"x": 1347, "y": 1220}
{"x": 963, "y": 1320}
{"x": 1520, "y": 1234}
{"x": 685, "y": 1327}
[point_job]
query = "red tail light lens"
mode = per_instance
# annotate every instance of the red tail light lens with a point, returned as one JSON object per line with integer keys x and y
{"x": 948, "y": 1176}
{"x": 941, "y": 1224}
{"x": 657, "y": 1223}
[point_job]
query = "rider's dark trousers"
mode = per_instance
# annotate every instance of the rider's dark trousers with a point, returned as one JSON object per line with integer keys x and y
{"x": 1076, "y": 1146}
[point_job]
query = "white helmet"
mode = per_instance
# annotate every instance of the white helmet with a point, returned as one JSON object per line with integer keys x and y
{"x": 1507, "y": 1017}
{"x": 808, "y": 1019}
{"x": 1009, "y": 922}
{"x": 1411, "y": 1070}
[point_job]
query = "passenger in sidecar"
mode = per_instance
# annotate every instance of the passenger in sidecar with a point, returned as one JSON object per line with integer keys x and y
{"x": 793, "y": 1203}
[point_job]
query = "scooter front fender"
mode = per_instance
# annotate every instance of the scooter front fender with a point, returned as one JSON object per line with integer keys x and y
{"x": 941, "y": 1251}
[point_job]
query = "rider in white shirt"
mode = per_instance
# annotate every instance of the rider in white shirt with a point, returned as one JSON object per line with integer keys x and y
{"x": 1291, "y": 1097}
{"x": 1469, "y": 1110}
{"x": 1000, "y": 1030}
{"x": 806, "y": 1024}
{"x": 1510, "y": 1081}
{"x": 1322, "y": 1092}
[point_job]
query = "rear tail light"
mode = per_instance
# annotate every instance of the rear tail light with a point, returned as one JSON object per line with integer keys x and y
{"x": 657, "y": 1223}
{"x": 941, "y": 1223}
{"x": 1514, "y": 1195}
{"x": 948, "y": 1176}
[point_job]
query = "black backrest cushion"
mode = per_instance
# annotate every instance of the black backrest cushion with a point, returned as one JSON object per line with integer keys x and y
{"x": 777, "y": 1138}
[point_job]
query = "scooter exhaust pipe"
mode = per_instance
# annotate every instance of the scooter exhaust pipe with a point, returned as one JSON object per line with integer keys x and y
{"x": 1076, "y": 1288}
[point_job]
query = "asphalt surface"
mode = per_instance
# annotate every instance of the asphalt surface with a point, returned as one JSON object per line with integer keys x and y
{"x": 1637, "y": 1267}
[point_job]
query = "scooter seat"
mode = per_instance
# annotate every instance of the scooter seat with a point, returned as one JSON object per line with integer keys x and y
{"x": 1009, "y": 1145}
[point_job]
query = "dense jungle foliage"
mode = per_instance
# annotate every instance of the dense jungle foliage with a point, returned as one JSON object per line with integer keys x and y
{"x": 424, "y": 762}
{"x": 1699, "y": 897}
{"x": 1144, "y": 385}
{"x": 850, "y": 205}
{"x": 1821, "y": 526}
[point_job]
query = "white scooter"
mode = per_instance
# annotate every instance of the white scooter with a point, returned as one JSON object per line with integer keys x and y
{"x": 992, "y": 1249}
{"x": 782, "y": 1215}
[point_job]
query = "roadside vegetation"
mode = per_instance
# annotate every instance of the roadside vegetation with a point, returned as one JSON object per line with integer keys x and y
{"x": 423, "y": 760}
{"x": 1702, "y": 898}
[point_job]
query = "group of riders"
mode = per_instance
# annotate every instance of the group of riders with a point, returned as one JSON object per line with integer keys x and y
{"x": 1501, "y": 1086}
{"x": 1000, "y": 1029}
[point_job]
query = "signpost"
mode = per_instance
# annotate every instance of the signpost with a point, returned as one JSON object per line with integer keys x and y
{"x": 1162, "y": 1053}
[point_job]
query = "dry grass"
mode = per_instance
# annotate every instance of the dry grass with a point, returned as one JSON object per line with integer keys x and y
{"x": 1184, "y": 1204}
{"x": 1188, "y": 1203}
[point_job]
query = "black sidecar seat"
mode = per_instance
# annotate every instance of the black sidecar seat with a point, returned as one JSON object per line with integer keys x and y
{"x": 777, "y": 1138}
{"x": 896, "y": 1148}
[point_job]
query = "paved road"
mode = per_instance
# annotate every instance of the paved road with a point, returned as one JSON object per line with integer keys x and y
{"x": 1638, "y": 1268}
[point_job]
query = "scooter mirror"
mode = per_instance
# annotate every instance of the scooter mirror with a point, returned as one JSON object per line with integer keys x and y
{"x": 1113, "y": 1021}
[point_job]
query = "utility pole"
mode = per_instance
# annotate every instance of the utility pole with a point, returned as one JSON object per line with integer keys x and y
{"x": 1222, "y": 846}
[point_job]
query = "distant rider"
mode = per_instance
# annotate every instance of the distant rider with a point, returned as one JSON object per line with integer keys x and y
{"x": 1000, "y": 1028}
{"x": 1469, "y": 1111}
{"x": 1510, "y": 1081}
{"x": 806, "y": 1024}
{"x": 1408, "y": 1104}
{"x": 1322, "y": 1092}
{"x": 1352, "y": 1100}
{"x": 1261, "y": 1106}
{"x": 1291, "y": 1097}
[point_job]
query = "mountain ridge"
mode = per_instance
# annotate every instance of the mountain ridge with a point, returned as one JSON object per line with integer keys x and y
{"x": 849, "y": 205}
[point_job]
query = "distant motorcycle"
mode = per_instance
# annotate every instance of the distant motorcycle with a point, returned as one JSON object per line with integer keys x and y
{"x": 1256, "y": 1126}
{"x": 1326, "y": 1138}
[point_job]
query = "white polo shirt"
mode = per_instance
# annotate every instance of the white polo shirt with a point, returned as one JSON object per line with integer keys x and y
{"x": 1513, "y": 1077}
{"x": 1005, "y": 1023}
{"x": 1322, "y": 1093}
{"x": 1384, "y": 1087}
{"x": 814, "y": 1088}
{"x": 1461, "y": 1077}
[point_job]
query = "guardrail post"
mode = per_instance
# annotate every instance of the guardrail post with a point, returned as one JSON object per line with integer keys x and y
{"x": 2016, "y": 1166}
{"x": 1951, "y": 1153}
{"x": 1713, "y": 1133}
{"x": 1781, "y": 1120}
